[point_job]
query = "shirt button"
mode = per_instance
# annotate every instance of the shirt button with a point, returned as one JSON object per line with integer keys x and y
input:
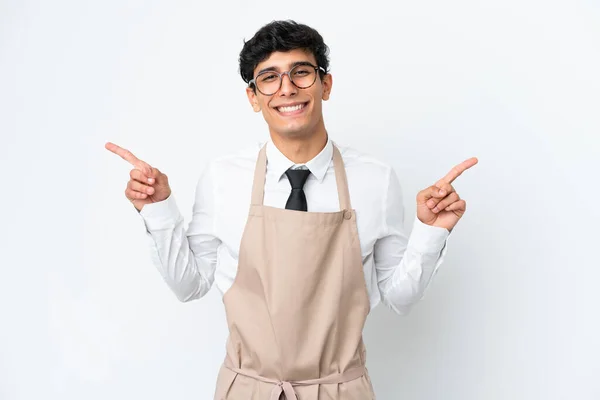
{"x": 347, "y": 214}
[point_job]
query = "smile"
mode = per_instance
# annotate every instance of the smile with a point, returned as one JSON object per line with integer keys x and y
{"x": 291, "y": 110}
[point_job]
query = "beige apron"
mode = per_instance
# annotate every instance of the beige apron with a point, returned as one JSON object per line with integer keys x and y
{"x": 298, "y": 304}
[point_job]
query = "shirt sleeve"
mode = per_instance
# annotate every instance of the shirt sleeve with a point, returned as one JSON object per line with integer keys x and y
{"x": 405, "y": 265}
{"x": 185, "y": 259}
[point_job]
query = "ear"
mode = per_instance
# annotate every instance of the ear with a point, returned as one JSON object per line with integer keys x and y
{"x": 327, "y": 83}
{"x": 252, "y": 98}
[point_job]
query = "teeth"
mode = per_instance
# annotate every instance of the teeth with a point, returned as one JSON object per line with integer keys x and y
{"x": 290, "y": 109}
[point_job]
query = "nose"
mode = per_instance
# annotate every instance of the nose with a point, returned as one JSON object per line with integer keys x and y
{"x": 287, "y": 87}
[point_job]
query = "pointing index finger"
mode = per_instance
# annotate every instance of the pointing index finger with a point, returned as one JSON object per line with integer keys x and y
{"x": 129, "y": 157}
{"x": 459, "y": 169}
{"x": 123, "y": 153}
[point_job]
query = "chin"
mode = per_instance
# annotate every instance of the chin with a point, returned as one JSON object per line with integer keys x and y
{"x": 294, "y": 132}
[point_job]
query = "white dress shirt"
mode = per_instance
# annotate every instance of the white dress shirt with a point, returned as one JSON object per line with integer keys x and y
{"x": 397, "y": 268}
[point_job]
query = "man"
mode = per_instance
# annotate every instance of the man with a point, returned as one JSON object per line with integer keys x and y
{"x": 322, "y": 244}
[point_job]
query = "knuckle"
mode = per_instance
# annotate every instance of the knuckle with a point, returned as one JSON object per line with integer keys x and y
{"x": 140, "y": 187}
{"x": 135, "y": 174}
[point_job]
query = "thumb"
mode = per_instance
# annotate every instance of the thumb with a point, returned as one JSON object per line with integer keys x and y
{"x": 157, "y": 175}
{"x": 145, "y": 168}
{"x": 431, "y": 192}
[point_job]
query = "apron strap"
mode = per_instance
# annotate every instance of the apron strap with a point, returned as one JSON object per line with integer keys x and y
{"x": 258, "y": 186}
{"x": 287, "y": 387}
{"x": 342, "y": 181}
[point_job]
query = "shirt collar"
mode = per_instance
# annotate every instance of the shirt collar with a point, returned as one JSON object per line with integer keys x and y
{"x": 318, "y": 166}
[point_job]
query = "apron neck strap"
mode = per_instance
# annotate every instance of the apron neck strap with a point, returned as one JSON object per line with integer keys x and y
{"x": 342, "y": 181}
{"x": 258, "y": 186}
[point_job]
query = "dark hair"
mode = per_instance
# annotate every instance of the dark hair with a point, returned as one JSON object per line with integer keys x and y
{"x": 281, "y": 36}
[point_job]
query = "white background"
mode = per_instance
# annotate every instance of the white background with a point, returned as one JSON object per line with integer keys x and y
{"x": 512, "y": 314}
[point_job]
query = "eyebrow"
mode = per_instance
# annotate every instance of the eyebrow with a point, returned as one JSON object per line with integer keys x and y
{"x": 290, "y": 66}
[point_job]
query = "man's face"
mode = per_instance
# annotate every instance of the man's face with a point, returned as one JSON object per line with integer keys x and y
{"x": 291, "y": 122}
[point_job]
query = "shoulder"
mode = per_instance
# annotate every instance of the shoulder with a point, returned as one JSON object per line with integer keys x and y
{"x": 369, "y": 183}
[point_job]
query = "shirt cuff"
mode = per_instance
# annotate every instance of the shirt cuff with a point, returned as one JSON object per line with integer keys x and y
{"x": 426, "y": 238}
{"x": 161, "y": 215}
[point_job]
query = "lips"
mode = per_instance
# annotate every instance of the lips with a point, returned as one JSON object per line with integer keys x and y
{"x": 292, "y": 108}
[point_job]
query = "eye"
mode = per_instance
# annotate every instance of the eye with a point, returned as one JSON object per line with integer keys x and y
{"x": 301, "y": 72}
{"x": 267, "y": 77}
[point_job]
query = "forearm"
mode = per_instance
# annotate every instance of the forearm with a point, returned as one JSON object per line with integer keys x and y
{"x": 410, "y": 280}
{"x": 406, "y": 270}
{"x": 188, "y": 275}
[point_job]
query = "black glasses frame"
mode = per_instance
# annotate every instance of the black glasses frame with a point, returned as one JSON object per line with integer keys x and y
{"x": 253, "y": 80}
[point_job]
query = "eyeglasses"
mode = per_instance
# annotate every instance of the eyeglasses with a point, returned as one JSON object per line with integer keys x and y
{"x": 302, "y": 76}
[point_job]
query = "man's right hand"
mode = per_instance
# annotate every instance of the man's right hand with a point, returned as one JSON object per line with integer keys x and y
{"x": 146, "y": 184}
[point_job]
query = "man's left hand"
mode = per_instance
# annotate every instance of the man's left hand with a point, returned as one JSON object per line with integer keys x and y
{"x": 440, "y": 205}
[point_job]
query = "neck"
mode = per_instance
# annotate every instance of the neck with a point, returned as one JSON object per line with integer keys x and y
{"x": 301, "y": 150}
